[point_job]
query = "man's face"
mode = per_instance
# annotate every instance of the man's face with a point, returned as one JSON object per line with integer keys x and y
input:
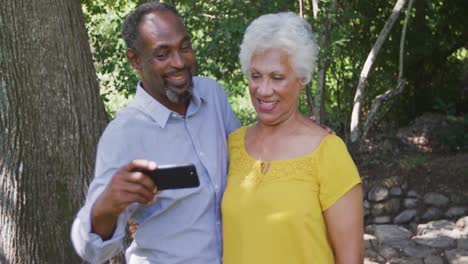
{"x": 165, "y": 59}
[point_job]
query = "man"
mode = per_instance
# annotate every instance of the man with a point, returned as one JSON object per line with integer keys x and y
{"x": 174, "y": 118}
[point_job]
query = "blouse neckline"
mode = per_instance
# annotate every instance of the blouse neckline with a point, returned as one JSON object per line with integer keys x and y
{"x": 304, "y": 157}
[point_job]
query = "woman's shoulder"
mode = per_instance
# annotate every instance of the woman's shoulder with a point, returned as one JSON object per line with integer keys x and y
{"x": 314, "y": 135}
{"x": 334, "y": 143}
{"x": 323, "y": 144}
{"x": 333, "y": 151}
{"x": 238, "y": 135}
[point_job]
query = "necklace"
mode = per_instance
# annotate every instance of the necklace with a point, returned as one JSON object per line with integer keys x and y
{"x": 265, "y": 167}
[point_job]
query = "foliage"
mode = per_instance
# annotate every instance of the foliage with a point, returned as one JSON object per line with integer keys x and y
{"x": 116, "y": 77}
{"x": 456, "y": 139}
{"x": 436, "y": 57}
{"x": 415, "y": 161}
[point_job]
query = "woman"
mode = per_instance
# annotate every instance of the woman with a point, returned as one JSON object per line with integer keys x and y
{"x": 293, "y": 193}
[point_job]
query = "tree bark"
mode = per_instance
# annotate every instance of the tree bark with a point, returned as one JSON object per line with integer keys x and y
{"x": 319, "y": 100}
{"x": 323, "y": 63}
{"x": 301, "y": 8}
{"x": 51, "y": 116}
{"x": 360, "y": 91}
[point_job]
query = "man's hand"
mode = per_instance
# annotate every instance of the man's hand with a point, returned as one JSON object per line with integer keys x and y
{"x": 329, "y": 130}
{"x": 126, "y": 187}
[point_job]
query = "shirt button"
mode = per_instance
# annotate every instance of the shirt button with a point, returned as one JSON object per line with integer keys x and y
{"x": 201, "y": 153}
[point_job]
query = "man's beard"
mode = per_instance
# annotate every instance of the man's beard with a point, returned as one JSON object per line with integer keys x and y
{"x": 179, "y": 97}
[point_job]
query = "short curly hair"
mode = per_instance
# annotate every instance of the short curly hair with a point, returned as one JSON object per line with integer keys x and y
{"x": 130, "y": 27}
{"x": 283, "y": 30}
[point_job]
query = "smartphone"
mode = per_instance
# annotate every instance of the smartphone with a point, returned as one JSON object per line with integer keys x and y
{"x": 174, "y": 176}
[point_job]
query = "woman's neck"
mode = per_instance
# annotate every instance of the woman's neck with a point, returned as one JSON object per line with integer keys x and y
{"x": 286, "y": 127}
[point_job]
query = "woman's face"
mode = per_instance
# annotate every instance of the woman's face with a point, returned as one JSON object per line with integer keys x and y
{"x": 274, "y": 86}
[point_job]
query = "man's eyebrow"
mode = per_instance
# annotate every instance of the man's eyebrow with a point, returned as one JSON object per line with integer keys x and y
{"x": 186, "y": 38}
{"x": 167, "y": 46}
{"x": 160, "y": 48}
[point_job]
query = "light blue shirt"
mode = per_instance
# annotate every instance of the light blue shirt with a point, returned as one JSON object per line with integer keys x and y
{"x": 182, "y": 226}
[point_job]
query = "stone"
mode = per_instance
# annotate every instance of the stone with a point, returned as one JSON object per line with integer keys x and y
{"x": 413, "y": 194}
{"x": 406, "y": 261}
{"x": 418, "y": 250}
{"x": 378, "y": 193}
{"x": 368, "y": 261}
{"x": 388, "y": 252}
{"x": 411, "y": 202}
{"x": 391, "y": 233}
{"x": 463, "y": 222}
{"x": 382, "y": 219}
{"x": 369, "y": 241}
{"x": 391, "y": 207}
{"x": 432, "y": 213}
{"x": 370, "y": 253}
{"x": 396, "y": 191}
{"x": 366, "y": 204}
{"x": 365, "y": 190}
{"x": 405, "y": 217}
{"x": 404, "y": 186}
{"x": 436, "y": 199}
{"x": 436, "y": 241}
{"x": 457, "y": 199}
{"x": 457, "y": 256}
{"x": 369, "y": 229}
{"x": 456, "y": 211}
{"x": 433, "y": 260}
{"x": 413, "y": 227}
{"x": 462, "y": 243}
{"x": 436, "y": 225}
{"x": 366, "y": 212}
{"x": 442, "y": 228}
{"x": 378, "y": 209}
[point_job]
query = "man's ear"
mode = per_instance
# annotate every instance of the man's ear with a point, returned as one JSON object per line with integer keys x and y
{"x": 133, "y": 58}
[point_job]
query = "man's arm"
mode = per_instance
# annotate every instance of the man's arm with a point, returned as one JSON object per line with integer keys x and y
{"x": 126, "y": 187}
{"x": 99, "y": 228}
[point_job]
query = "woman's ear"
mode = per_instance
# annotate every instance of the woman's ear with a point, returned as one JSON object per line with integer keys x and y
{"x": 133, "y": 58}
{"x": 301, "y": 82}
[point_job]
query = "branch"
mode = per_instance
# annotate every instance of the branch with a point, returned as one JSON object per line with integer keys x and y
{"x": 379, "y": 100}
{"x": 208, "y": 15}
{"x": 315, "y": 8}
{"x": 403, "y": 36}
{"x": 360, "y": 91}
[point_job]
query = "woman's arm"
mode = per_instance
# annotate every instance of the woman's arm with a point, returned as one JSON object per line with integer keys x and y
{"x": 345, "y": 227}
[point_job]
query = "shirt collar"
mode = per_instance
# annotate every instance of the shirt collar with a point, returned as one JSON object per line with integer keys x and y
{"x": 161, "y": 114}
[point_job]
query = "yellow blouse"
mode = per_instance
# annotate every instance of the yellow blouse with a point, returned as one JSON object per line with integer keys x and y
{"x": 277, "y": 217}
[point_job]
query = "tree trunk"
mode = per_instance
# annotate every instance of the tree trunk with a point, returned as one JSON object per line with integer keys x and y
{"x": 51, "y": 117}
{"x": 360, "y": 91}
{"x": 301, "y": 8}
{"x": 319, "y": 100}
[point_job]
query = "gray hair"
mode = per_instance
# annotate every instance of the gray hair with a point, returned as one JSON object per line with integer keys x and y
{"x": 283, "y": 30}
{"x": 131, "y": 26}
